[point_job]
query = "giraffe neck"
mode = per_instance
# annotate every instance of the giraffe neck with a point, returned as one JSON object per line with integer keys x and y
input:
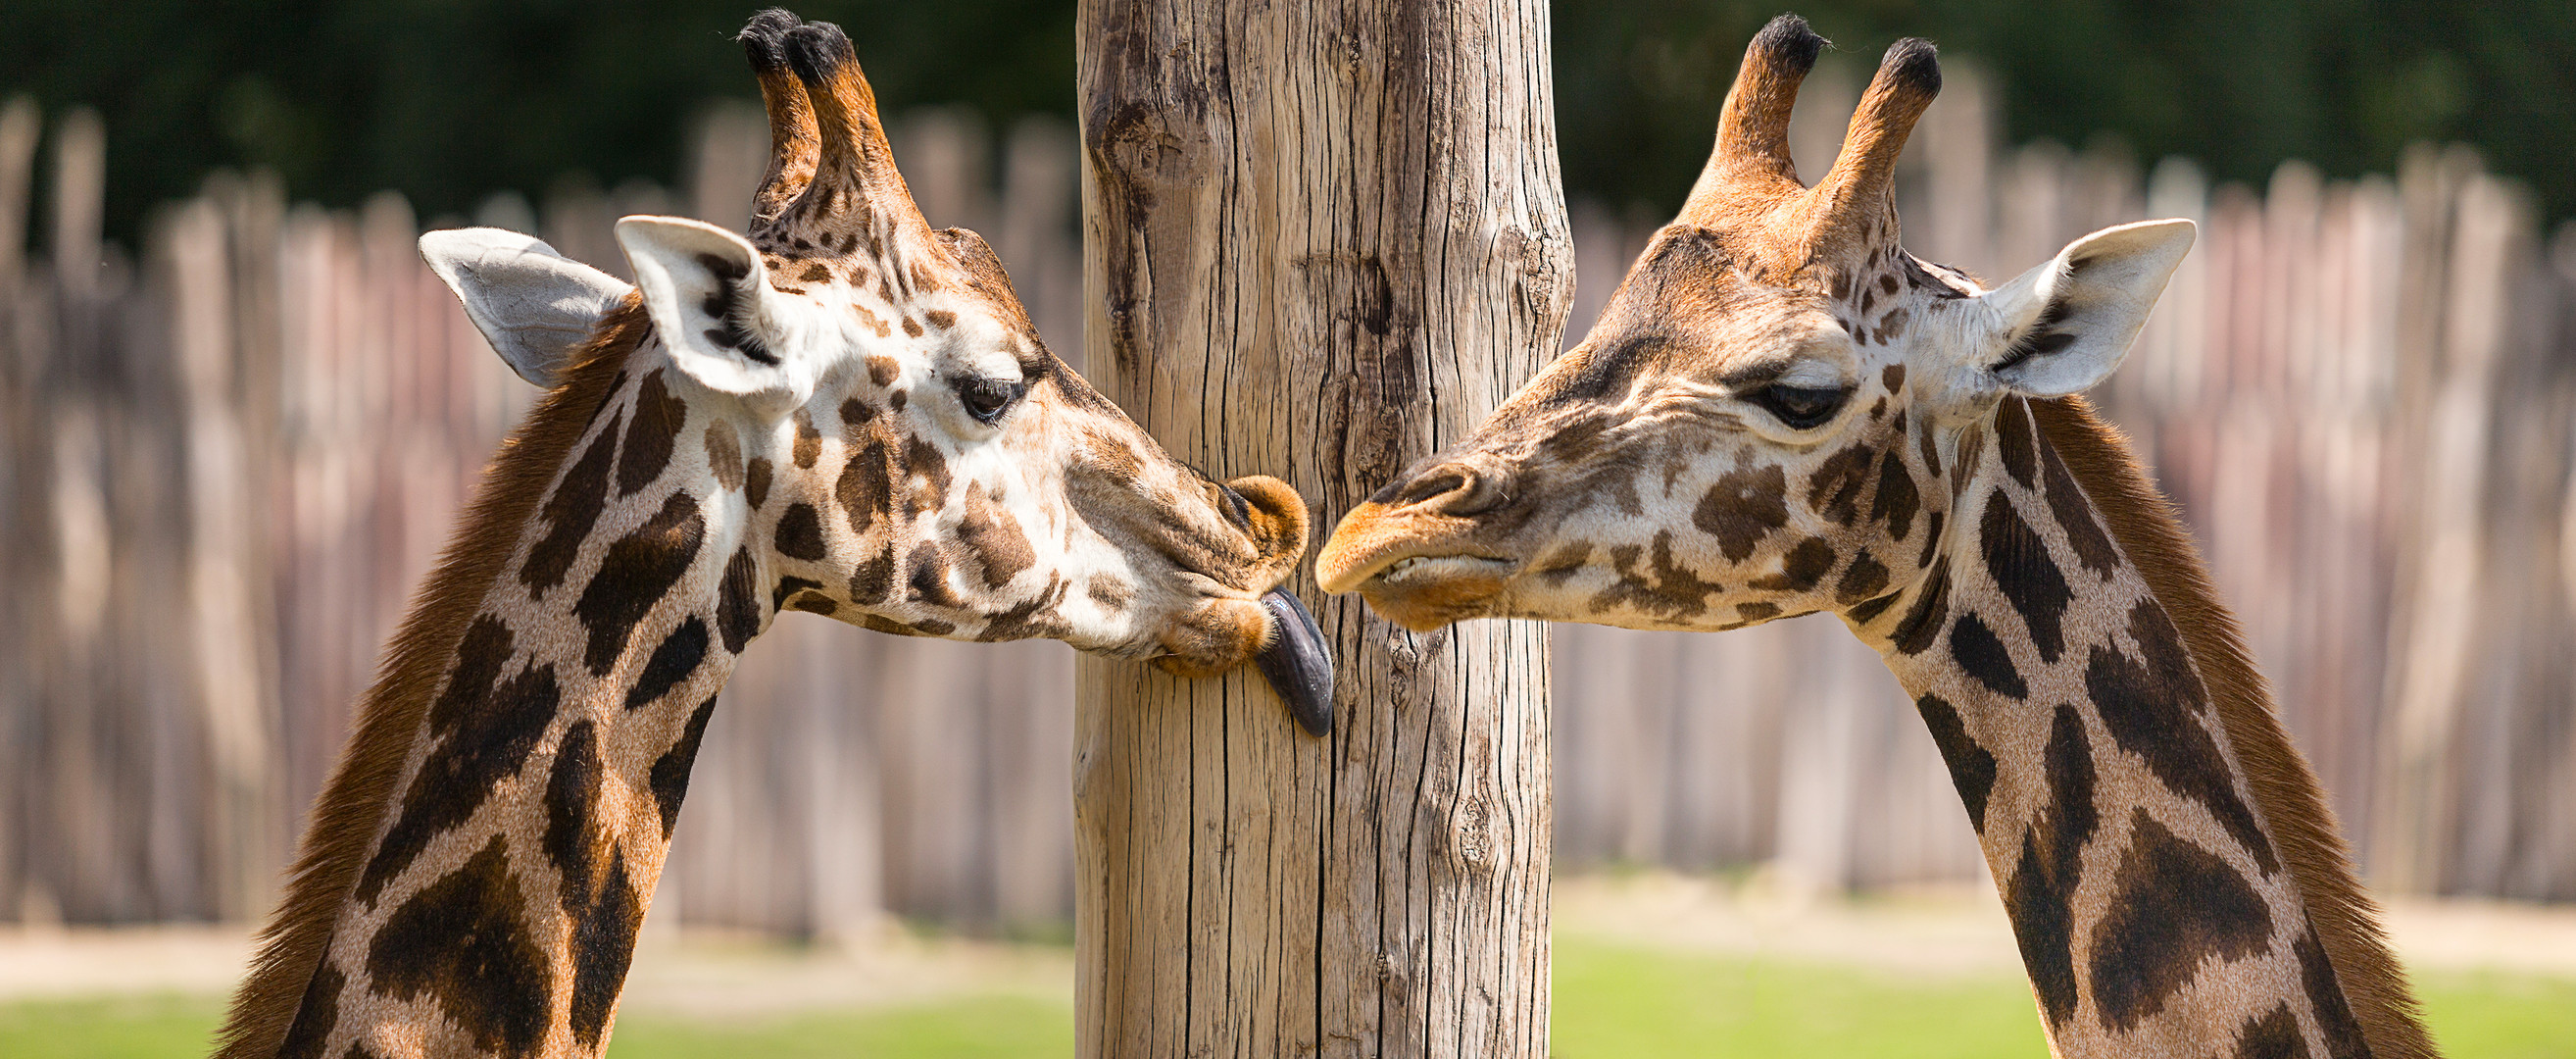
{"x": 478, "y": 869}
{"x": 2172, "y": 875}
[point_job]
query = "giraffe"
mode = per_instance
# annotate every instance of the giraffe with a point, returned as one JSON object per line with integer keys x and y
{"x": 847, "y": 413}
{"x": 1780, "y": 412}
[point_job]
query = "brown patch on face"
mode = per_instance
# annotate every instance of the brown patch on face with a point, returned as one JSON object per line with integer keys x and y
{"x": 1893, "y": 378}
{"x": 1805, "y": 565}
{"x": 855, "y": 417}
{"x": 724, "y": 454}
{"x": 864, "y": 490}
{"x": 940, "y": 318}
{"x": 882, "y": 370}
{"x": 1891, "y": 326}
{"x": 1866, "y": 578}
{"x": 929, "y": 581}
{"x": 912, "y": 327}
{"x": 1742, "y": 508}
{"x": 1564, "y": 562}
{"x": 755, "y": 481}
{"x": 873, "y": 578}
{"x": 1111, "y": 457}
{"x": 809, "y": 441}
{"x": 927, "y": 468}
{"x": 1663, "y": 588}
{"x": 800, "y": 533}
{"x": 1113, "y": 594}
{"x": 815, "y": 273}
{"x": 993, "y": 536}
{"x": 1897, "y": 498}
{"x": 883, "y": 624}
{"x": 1836, "y": 489}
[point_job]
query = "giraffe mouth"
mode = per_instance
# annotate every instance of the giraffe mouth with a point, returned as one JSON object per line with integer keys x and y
{"x": 1435, "y": 569}
{"x": 1425, "y": 592}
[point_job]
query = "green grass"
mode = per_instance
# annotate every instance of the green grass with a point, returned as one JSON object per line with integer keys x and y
{"x": 968, "y": 1028}
{"x": 1612, "y": 1002}
{"x": 1615, "y": 1002}
{"x": 1636, "y": 1003}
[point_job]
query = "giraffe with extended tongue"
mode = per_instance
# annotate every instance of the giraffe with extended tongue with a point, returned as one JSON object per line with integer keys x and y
{"x": 847, "y": 413}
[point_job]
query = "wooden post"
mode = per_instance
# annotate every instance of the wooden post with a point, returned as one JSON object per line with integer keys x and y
{"x": 1323, "y": 240}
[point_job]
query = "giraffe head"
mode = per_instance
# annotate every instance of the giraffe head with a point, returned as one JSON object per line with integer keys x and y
{"x": 1774, "y": 412}
{"x": 862, "y": 402}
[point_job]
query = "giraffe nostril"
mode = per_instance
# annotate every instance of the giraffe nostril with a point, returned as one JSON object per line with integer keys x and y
{"x": 1457, "y": 490}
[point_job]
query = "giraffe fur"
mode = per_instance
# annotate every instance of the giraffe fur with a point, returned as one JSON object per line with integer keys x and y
{"x": 1782, "y": 411}
{"x": 846, "y": 413}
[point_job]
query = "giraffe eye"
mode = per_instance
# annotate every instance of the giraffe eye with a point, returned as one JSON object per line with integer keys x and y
{"x": 986, "y": 399}
{"x": 1801, "y": 407}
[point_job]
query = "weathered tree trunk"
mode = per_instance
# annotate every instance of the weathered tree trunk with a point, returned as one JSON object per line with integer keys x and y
{"x": 1322, "y": 240}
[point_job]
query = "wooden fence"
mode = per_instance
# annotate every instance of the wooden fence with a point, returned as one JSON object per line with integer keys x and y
{"x": 228, "y": 460}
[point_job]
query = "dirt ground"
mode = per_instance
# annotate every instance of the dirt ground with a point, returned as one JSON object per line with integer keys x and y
{"x": 1944, "y": 930}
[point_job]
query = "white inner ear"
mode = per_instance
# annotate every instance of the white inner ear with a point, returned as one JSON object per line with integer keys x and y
{"x": 2074, "y": 317}
{"x": 532, "y": 304}
{"x": 709, "y": 296}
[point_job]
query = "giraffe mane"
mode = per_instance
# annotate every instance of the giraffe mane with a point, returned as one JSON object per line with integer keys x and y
{"x": 352, "y": 806}
{"x": 2285, "y": 791}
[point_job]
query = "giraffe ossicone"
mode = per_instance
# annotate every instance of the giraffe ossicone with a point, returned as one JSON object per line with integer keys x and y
{"x": 1781, "y": 411}
{"x": 846, "y": 413}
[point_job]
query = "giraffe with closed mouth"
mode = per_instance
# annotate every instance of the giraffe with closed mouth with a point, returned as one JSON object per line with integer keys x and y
{"x": 1782, "y": 411}
{"x": 846, "y": 413}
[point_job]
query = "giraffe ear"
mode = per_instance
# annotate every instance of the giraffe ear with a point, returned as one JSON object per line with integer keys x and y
{"x": 709, "y": 296}
{"x": 532, "y": 304}
{"x": 2073, "y": 318}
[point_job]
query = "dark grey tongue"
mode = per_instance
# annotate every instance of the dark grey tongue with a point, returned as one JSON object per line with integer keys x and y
{"x": 1299, "y": 664}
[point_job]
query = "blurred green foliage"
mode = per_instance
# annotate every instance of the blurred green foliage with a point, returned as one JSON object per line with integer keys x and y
{"x": 450, "y": 100}
{"x": 2241, "y": 85}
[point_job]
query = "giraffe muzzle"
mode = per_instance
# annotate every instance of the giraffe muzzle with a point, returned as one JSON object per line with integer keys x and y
{"x": 1298, "y": 662}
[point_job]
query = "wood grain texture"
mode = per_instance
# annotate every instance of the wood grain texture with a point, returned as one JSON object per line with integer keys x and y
{"x": 1322, "y": 241}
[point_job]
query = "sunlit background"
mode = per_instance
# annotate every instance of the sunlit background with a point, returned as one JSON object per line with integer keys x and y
{"x": 238, "y": 416}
